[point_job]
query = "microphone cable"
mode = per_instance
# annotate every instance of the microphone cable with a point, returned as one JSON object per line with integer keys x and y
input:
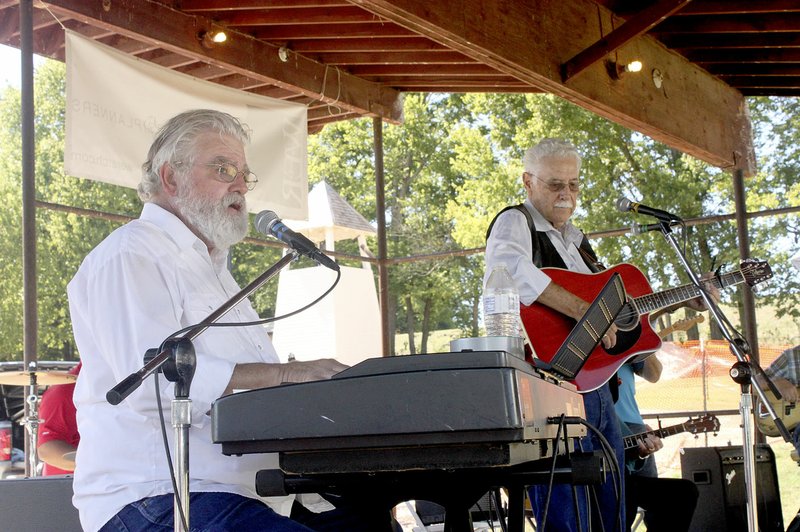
{"x": 262, "y": 321}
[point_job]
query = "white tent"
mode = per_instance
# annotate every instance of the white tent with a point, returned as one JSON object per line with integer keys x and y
{"x": 346, "y": 324}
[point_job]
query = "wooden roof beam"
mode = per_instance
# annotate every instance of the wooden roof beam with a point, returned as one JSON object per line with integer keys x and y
{"x": 472, "y": 71}
{"x": 393, "y": 58}
{"x": 630, "y": 29}
{"x": 771, "y": 92}
{"x": 375, "y": 44}
{"x": 687, "y": 41}
{"x": 774, "y": 22}
{"x": 761, "y": 55}
{"x": 367, "y": 30}
{"x": 717, "y": 7}
{"x": 241, "y": 54}
{"x": 293, "y": 16}
{"x": 692, "y": 110}
{"x": 761, "y": 82}
{"x": 241, "y": 5}
{"x": 754, "y": 69}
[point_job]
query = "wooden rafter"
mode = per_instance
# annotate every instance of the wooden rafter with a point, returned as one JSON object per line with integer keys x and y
{"x": 691, "y": 110}
{"x": 744, "y": 23}
{"x": 629, "y": 30}
{"x": 242, "y": 54}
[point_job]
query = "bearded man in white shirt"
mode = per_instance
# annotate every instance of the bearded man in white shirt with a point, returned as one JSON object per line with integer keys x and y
{"x": 148, "y": 279}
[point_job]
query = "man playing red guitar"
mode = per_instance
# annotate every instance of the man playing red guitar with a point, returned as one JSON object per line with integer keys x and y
{"x": 552, "y": 183}
{"x": 539, "y": 234}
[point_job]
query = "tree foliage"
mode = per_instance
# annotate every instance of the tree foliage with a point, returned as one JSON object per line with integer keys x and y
{"x": 449, "y": 168}
{"x": 776, "y": 123}
{"x": 63, "y": 239}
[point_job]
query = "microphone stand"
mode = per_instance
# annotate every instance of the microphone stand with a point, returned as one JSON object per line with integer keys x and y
{"x": 741, "y": 373}
{"x": 176, "y": 358}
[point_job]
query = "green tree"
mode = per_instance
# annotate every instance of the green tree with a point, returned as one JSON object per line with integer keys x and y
{"x": 777, "y": 129}
{"x": 452, "y": 165}
{"x": 420, "y": 180}
{"x": 616, "y": 163}
{"x": 62, "y": 240}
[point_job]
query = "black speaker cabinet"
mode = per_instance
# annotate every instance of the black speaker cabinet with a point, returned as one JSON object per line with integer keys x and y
{"x": 37, "y": 505}
{"x": 718, "y": 473}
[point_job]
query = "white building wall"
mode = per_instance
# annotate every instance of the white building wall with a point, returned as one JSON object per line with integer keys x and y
{"x": 345, "y": 325}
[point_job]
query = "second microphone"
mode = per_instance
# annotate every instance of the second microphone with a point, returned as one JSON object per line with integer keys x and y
{"x": 268, "y": 223}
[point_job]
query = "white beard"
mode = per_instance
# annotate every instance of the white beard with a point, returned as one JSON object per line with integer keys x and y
{"x": 220, "y": 228}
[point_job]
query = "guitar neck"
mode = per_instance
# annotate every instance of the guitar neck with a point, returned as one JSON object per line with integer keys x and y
{"x": 658, "y": 300}
{"x": 633, "y": 441}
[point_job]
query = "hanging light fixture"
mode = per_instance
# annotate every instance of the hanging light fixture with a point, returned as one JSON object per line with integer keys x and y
{"x": 617, "y": 70}
{"x": 212, "y": 37}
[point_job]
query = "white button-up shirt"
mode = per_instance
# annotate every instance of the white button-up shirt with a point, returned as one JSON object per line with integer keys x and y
{"x": 510, "y": 243}
{"x": 147, "y": 280}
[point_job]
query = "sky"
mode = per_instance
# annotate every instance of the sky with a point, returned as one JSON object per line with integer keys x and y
{"x": 10, "y": 67}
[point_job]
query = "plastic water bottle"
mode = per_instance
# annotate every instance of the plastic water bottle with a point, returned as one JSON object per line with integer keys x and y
{"x": 501, "y": 303}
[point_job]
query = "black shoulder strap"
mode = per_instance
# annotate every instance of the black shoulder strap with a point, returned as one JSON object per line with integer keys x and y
{"x": 589, "y": 256}
{"x": 537, "y": 254}
{"x": 585, "y": 248}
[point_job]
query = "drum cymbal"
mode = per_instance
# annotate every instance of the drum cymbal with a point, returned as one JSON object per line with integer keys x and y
{"x": 43, "y": 378}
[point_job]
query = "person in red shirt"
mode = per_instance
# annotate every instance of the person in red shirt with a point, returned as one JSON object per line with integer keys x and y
{"x": 58, "y": 433}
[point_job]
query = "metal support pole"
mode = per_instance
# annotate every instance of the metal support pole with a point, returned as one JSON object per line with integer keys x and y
{"x": 29, "y": 312}
{"x": 749, "y": 324}
{"x": 380, "y": 208}
{"x": 749, "y": 318}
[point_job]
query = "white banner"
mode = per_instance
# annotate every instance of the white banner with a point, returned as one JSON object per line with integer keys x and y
{"x": 117, "y": 102}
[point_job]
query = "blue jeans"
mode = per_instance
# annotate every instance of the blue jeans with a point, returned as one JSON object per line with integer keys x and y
{"x": 208, "y": 512}
{"x": 564, "y": 499}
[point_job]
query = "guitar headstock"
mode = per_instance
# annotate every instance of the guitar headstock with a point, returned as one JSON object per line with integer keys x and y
{"x": 755, "y": 271}
{"x": 681, "y": 325}
{"x": 704, "y": 423}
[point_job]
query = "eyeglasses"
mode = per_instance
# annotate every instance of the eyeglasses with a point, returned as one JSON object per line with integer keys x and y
{"x": 558, "y": 186}
{"x": 228, "y": 173}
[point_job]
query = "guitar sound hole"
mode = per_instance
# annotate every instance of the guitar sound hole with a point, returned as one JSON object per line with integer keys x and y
{"x": 628, "y": 317}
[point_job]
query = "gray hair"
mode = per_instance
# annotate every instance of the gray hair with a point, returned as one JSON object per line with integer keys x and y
{"x": 175, "y": 143}
{"x": 550, "y": 147}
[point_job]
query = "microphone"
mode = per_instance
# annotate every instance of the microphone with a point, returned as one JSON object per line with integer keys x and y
{"x": 625, "y": 205}
{"x": 268, "y": 223}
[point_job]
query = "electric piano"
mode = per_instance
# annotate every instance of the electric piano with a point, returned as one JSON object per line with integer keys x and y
{"x": 442, "y": 410}
{"x": 444, "y": 427}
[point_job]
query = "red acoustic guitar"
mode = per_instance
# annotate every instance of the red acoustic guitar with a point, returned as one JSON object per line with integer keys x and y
{"x": 548, "y": 328}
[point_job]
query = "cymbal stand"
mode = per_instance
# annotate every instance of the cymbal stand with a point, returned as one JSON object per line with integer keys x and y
{"x": 741, "y": 372}
{"x": 31, "y": 423}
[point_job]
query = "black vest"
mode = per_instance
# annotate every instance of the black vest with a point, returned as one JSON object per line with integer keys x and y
{"x": 545, "y": 254}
